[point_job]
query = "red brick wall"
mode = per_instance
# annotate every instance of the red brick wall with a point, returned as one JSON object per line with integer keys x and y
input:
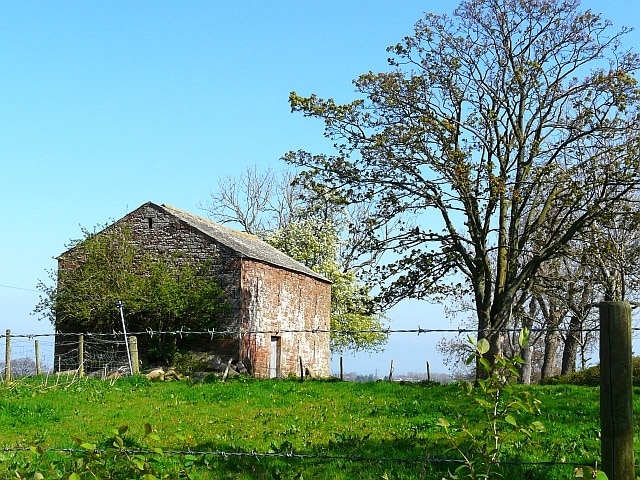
{"x": 278, "y": 300}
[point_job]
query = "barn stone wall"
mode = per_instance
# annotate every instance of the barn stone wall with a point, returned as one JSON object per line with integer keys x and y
{"x": 261, "y": 296}
{"x": 278, "y": 300}
{"x": 156, "y": 231}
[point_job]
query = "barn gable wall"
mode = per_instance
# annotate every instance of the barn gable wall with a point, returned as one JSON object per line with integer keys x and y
{"x": 277, "y": 301}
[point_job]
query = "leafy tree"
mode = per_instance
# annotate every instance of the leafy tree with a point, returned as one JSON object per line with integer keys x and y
{"x": 308, "y": 226}
{"x": 261, "y": 202}
{"x": 162, "y": 293}
{"x": 508, "y": 121}
{"x": 354, "y": 323}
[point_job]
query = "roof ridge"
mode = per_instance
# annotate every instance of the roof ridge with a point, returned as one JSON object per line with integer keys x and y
{"x": 212, "y": 222}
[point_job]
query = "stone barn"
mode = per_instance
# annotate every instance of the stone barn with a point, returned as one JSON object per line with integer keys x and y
{"x": 279, "y": 308}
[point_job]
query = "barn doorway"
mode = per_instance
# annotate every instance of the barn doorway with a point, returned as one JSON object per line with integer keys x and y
{"x": 274, "y": 364}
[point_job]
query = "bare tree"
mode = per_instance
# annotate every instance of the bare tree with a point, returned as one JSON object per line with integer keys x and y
{"x": 257, "y": 200}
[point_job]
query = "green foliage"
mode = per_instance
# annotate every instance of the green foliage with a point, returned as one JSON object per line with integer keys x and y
{"x": 354, "y": 323}
{"x": 120, "y": 456}
{"x": 589, "y": 472}
{"x": 478, "y": 149}
{"x": 590, "y": 377}
{"x": 158, "y": 292}
{"x": 484, "y": 446}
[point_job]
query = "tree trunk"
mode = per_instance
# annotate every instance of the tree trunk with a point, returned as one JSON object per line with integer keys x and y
{"x": 527, "y": 350}
{"x": 549, "y": 365}
{"x": 571, "y": 343}
{"x": 496, "y": 341}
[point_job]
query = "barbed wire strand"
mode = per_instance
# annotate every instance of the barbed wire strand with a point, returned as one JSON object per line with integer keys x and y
{"x": 384, "y": 331}
{"x": 290, "y": 455}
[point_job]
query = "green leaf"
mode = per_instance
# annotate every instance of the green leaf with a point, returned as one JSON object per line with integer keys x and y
{"x": 74, "y": 476}
{"x": 123, "y": 429}
{"x": 443, "y": 422}
{"x": 523, "y": 338}
{"x": 484, "y": 403}
{"x": 88, "y": 446}
{"x": 147, "y": 428}
{"x": 483, "y": 346}
{"x": 486, "y": 365}
{"x": 583, "y": 472}
{"x": 510, "y": 419}
{"x": 537, "y": 426}
{"x": 118, "y": 442}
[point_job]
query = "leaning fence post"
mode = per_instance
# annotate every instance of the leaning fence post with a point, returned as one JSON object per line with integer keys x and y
{"x": 616, "y": 408}
{"x": 7, "y": 357}
{"x": 81, "y": 355}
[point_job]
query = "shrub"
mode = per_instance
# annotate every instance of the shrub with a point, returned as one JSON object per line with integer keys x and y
{"x": 590, "y": 377}
{"x": 483, "y": 446}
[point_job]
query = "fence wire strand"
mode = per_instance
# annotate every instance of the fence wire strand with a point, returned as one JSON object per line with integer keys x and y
{"x": 230, "y": 332}
{"x": 291, "y": 455}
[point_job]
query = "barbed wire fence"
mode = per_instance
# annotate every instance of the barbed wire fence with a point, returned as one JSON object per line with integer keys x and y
{"x": 101, "y": 353}
{"x": 291, "y": 455}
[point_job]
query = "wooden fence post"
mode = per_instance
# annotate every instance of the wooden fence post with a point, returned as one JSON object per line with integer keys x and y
{"x": 7, "y": 357}
{"x": 37, "y": 351}
{"x": 391, "y": 371}
{"x": 81, "y": 355}
{"x": 133, "y": 351}
{"x": 301, "y": 369}
{"x": 341, "y": 369}
{"x": 616, "y": 409}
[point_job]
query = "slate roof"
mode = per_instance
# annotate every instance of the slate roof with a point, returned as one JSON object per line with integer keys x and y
{"x": 244, "y": 244}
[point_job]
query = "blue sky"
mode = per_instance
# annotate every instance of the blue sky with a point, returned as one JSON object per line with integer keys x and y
{"x": 107, "y": 105}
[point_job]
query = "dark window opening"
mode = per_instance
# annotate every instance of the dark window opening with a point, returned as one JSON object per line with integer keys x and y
{"x": 150, "y": 220}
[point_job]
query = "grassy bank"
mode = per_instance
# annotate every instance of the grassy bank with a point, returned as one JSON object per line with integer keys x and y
{"x": 272, "y": 429}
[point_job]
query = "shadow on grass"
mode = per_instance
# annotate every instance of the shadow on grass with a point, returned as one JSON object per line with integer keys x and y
{"x": 348, "y": 458}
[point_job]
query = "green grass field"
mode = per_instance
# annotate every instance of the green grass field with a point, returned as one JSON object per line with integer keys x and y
{"x": 249, "y": 429}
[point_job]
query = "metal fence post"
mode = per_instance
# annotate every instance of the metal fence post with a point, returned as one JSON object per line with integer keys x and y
{"x": 37, "y": 353}
{"x": 81, "y": 355}
{"x": 7, "y": 355}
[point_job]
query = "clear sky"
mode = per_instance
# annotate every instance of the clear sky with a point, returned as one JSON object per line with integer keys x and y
{"x": 107, "y": 105}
